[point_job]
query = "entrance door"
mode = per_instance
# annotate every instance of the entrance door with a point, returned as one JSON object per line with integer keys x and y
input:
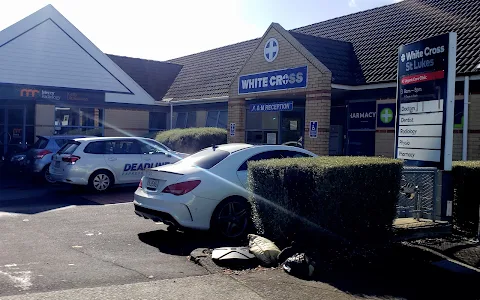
{"x": 292, "y": 125}
{"x": 12, "y": 130}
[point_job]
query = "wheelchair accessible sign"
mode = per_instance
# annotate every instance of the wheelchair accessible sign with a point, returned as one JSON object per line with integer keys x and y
{"x": 313, "y": 129}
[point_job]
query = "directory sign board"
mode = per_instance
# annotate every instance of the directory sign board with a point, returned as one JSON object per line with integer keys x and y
{"x": 425, "y": 102}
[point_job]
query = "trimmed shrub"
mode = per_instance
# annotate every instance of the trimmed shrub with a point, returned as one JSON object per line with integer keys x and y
{"x": 466, "y": 177}
{"x": 345, "y": 198}
{"x": 191, "y": 140}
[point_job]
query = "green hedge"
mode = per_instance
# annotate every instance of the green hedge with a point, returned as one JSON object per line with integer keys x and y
{"x": 191, "y": 140}
{"x": 351, "y": 198}
{"x": 466, "y": 178}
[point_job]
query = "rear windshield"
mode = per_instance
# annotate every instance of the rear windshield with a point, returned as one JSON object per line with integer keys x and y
{"x": 69, "y": 147}
{"x": 204, "y": 159}
{"x": 41, "y": 143}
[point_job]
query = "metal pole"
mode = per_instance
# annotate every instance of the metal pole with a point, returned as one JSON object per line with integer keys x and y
{"x": 171, "y": 115}
{"x": 466, "y": 93}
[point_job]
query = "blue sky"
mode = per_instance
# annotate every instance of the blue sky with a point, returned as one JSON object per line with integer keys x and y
{"x": 161, "y": 30}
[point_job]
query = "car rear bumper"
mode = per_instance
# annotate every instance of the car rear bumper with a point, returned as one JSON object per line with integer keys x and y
{"x": 69, "y": 175}
{"x": 172, "y": 209}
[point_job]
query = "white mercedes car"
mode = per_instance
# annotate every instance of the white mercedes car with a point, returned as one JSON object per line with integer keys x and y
{"x": 206, "y": 190}
{"x": 101, "y": 162}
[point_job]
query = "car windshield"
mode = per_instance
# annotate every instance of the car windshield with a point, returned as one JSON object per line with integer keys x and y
{"x": 41, "y": 143}
{"x": 205, "y": 159}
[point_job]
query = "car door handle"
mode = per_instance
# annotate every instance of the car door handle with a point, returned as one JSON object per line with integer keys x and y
{"x": 112, "y": 159}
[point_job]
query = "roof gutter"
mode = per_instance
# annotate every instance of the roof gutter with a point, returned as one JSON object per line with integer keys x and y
{"x": 199, "y": 101}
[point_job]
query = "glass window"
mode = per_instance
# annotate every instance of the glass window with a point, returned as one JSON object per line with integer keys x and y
{"x": 60, "y": 142}
{"x": 158, "y": 120}
{"x": 260, "y": 156}
{"x": 41, "y": 143}
{"x": 181, "y": 120}
{"x": 123, "y": 147}
{"x": 192, "y": 119}
{"x": 217, "y": 119}
{"x": 79, "y": 121}
{"x": 150, "y": 147}
{"x": 204, "y": 159}
{"x": 222, "y": 119}
{"x": 69, "y": 148}
{"x": 95, "y": 148}
{"x": 212, "y": 117}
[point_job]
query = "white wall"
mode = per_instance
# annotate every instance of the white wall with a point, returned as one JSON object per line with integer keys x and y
{"x": 47, "y": 56}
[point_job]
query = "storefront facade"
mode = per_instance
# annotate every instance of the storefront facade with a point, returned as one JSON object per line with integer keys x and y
{"x": 54, "y": 81}
{"x": 329, "y": 87}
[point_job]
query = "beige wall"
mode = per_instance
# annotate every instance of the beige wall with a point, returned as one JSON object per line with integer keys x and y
{"x": 121, "y": 122}
{"x": 44, "y": 119}
{"x": 317, "y": 93}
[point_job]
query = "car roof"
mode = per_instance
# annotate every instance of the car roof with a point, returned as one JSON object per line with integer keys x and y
{"x": 90, "y": 139}
{"x": 58, "y": 137}
{"x": 233, "y": 147}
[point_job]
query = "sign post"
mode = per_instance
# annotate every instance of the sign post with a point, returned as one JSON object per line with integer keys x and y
{"x": 425, "y": 107}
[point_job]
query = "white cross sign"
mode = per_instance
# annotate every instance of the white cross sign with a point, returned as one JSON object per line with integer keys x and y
{"x": 270, "y": 52}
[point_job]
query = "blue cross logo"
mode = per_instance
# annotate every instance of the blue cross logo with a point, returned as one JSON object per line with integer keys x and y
{"x": 270, "y": 52}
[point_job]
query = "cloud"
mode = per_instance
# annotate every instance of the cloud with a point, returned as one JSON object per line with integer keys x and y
{"x": 352, "y": 3}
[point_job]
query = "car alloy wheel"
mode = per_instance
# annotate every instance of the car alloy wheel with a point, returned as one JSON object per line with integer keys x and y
{"x": 101, "y": 182}
{"x": 233, "y": 218}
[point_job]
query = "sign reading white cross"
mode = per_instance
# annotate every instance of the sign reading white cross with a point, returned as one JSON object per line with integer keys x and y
{"x": 270, "y": 51}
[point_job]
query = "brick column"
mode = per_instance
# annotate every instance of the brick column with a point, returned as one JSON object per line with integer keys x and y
{"x": 236, "y": 114}
{"x": 317, "y": 108}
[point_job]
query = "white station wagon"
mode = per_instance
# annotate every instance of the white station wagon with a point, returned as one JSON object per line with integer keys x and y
{"x": 104, "y": 161}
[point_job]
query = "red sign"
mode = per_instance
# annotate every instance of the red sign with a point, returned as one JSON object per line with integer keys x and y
{"x": 423, "y": 77}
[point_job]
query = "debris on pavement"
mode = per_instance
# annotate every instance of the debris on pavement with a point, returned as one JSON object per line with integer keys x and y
{"x": 299, "y": 265}
{"x": 264, "y": 249}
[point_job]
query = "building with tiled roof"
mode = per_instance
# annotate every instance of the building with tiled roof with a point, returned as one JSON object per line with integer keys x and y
{"x": 330, "y": 87}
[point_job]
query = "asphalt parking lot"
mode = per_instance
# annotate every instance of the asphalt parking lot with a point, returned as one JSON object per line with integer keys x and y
{"x": 56, "y": 238}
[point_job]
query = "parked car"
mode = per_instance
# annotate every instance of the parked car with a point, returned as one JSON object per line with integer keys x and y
{"x": 102, "y": 162}
{"x": 206, "y": 190}
{"x": 39, "y": 156}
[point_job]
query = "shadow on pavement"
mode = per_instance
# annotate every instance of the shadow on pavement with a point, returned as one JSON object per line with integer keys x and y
{"x": 24, "y": 194}
{"x": 183, "y": 243}
{"x": 403, "y": 272}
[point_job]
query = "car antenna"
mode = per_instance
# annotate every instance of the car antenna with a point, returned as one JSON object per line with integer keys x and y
{"x": 214, "y": 147}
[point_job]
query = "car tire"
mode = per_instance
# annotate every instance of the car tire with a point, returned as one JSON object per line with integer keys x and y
{"x": 231, "y": 219}
{"x": 100, "y": 181}
{"x": 45, "y": 174}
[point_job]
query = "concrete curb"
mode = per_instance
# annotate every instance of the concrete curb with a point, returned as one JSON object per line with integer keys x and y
{"x": 449, "y": 263}
{"x": 202, "y": 257}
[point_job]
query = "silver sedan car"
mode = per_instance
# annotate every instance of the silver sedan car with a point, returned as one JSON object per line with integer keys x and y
{"x": 39, "y": 157}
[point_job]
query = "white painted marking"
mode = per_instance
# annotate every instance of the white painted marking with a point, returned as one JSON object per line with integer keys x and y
{"x": 25, "y": 220}
{"x": 20, "y": 279}
{"x": 10, "y": 265}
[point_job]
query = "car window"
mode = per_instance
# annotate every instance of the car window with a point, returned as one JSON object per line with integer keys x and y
{"x": 123, "y": 147}
{"x": 272, "y": 155}
{"x": 41, "y": 143}
{"x": 96, "y": 148}
{"x": 150, "y": 147}
{"x": 204, "y": 159}
{"x": 260, "y": 156}
{"x": 69, "y": 147}
{"x": 60, "y": 142}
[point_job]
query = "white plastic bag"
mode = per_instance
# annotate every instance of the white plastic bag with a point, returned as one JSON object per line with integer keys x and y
{"x": 263, "y": 249}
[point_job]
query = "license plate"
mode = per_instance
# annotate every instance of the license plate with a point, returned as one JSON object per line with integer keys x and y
{"x": 57, "y": 164}
{"x": 152, "y": 183}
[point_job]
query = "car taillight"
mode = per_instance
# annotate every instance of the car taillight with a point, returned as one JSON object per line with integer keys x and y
{"x": 141, "y": 183}
{"x": 181, "y": 188}
{"x": 42, "y": 154}
{"x": 71, "y": 159}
